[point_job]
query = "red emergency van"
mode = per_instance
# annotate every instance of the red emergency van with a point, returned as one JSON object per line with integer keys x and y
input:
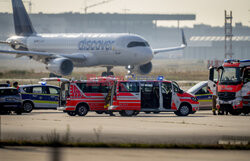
{"x": 128, "y": 97}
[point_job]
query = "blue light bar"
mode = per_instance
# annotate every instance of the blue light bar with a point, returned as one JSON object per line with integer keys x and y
{"x": 160, "y": 78}
{"x": 246, "y": 60}
{"x": 43, "y": 83}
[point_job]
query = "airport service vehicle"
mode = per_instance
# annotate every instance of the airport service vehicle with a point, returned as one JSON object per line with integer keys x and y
{"x": 231, "y": 83}
{"x": 10, "y": 100}
{"x": 200, "y": 90}
{"x": 62, "y": 52}
{"x": 4, "y": 85}
{"x": 39, "y": 96}
{"x": 128, "y": 97}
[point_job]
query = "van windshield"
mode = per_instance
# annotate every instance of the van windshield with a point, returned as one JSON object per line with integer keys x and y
{"x": 230, "y": 76}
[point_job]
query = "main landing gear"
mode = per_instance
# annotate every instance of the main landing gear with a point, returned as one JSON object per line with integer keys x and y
{"x": 108, "y": 73}
{"x": 130, "y": 69}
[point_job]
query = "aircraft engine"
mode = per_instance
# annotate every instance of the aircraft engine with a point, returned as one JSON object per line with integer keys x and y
{"x": 144, "y": 69}
{"x": 60, "y": 66}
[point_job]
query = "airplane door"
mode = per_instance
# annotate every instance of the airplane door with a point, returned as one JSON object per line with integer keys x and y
{"x": 129, "y": 97}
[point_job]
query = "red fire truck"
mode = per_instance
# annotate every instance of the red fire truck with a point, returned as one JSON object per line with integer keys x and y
{"x": 128, "y": 97}
{"x": 230, "y": 82}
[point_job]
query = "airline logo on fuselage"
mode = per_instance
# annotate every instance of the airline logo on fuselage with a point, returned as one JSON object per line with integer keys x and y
{"x": 95, "y": 44}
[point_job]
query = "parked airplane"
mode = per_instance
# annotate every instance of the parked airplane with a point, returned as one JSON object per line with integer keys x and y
{"x": 62, "y": 52}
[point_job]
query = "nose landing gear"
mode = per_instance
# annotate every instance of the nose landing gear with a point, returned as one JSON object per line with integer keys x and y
{"x": 108, "y": 73}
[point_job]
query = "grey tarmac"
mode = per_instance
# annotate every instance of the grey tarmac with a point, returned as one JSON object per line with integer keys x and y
{"x": 199, "y": 128}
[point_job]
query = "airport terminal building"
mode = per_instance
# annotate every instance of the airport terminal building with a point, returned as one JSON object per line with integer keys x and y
{"x": 212, "y": 48}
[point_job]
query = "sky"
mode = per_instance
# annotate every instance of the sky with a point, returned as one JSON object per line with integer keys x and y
{"x": 209, "y": 12}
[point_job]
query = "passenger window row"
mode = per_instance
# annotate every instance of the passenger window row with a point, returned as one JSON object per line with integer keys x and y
{"x": 41, "y": 90}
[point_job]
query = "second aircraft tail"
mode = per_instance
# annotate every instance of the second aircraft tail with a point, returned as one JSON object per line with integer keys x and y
{"x": 23, "y": 25}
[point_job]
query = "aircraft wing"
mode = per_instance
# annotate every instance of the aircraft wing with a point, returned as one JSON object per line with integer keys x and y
{"x": 43, "y": 55}
{"x": 182, "y": 46}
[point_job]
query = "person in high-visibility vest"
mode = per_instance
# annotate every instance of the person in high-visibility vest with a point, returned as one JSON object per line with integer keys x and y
{"x": 214, "y": 108}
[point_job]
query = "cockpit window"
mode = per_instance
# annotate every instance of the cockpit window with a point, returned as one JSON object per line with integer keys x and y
{"x": 146, "y": 43}
{"x": 136, "y": 44}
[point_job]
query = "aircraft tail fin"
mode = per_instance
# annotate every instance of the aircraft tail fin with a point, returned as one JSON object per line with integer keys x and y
{"x": 23, "y": 25}
{"x": 184, "y": 42}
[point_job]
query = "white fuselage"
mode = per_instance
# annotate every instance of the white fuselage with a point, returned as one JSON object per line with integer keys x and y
{"x": 99, "y": 49}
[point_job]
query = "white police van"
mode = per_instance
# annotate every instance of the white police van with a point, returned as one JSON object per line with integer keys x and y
{"x": 39, "y": 97}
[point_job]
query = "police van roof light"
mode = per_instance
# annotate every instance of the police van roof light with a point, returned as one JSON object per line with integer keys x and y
{"x": 43, "y": 83}
{"x": 160, "y": 78}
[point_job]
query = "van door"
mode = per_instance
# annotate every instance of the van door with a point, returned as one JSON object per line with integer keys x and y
{"x": 110, "y": 95}
{"x": 205, "y": 97}
{"x": 53, "y": 96}
{"x": 213, "y": 80}
{"x": 64, "y": 93}
{"x": 175, "y": 102}
{"x": 246, "y": 87}
{"x": 128, "y": 96}
{"x": 39, "y": 96}
{"x": 150, "y": 95}
{"x": 166, "y": 90}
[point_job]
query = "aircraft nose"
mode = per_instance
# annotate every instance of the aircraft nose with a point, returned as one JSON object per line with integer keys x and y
{"x": 149, "y": 54}
{"x": 146, "y": 54}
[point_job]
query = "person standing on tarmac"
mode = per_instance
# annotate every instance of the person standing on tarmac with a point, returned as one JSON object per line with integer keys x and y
{"x": 15, "y": 85}
{"x": 214, "y": 97}
{"x": 8, "y": 83}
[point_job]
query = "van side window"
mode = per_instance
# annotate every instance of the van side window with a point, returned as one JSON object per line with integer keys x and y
{"x": 129, "y": 87}
{"x": 104, "y": 88}
{"x": 166, "y": 87}
{"x": 53, "y": 90}
{"x": 147, "y": 87}
{"x": 82, "y": 87}
{"x": 93, "y": 87}
{"x": 27, "y": 89}
{"x": 176, "y": 89}
{"x": 203, "y": 90}
{"x": 37, "y": 90}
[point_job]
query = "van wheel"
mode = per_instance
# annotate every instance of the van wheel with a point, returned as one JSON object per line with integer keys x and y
{"x": 184, "y": 110}
{"x": 136, "y": 113}
{"x": 127, "y": 112}
{"x": 27, "y": 107}
{"x": 99, "y": 112}
{"x": 19, "y": 112}
{"x": 82, "y": 110}
{"x": 71, "y": 113}
{"x": 192, "y": 112}
{"x": 235, "y": 112}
